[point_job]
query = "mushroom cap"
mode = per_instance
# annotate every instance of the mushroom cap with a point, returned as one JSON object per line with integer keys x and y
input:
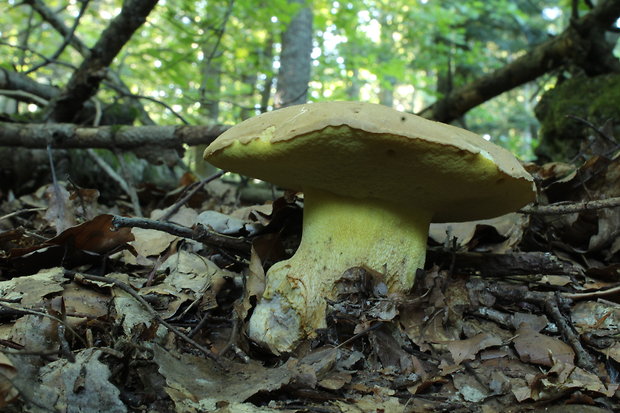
{"x": 364, "y": 150}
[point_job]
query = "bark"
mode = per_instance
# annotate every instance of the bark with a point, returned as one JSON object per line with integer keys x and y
{"x": 268, "y": 83}
{"x": 295, "y": 60}
{"x": 577, "y": 44}
{"x": 19, "y": 83}
{"x": 86, "y": 80}
{"x": 211, "y": 76}
{"x": 65, "y": 136}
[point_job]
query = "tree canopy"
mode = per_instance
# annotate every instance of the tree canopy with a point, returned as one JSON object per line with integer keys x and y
{"x": 193, "y": 57}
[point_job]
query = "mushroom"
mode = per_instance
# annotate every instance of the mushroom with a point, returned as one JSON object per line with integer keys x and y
{"x": 373, "y": 180}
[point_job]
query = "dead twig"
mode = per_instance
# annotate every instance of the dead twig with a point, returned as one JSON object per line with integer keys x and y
{"x": 584, "y": 359}
{"x": 570, "y": 208}
{"x": 177, "y": 205}
{"x": 42, "y": 314}
{"x": 21, "y": 211}
{"x": 197, "y": 233}
{"x": 592, "y": 294}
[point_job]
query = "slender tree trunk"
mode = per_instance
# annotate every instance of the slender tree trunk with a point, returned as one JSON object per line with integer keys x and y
{"x": 267, "y": 59}
{"x": 353, "y": 90}
{"x": 295, "y": 60}
{"x": 387, "y": 83}
{"x": 211, "y": 77}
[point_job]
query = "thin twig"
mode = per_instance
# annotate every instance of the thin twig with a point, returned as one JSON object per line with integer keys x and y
{"x": 174, "y": 208}
{"x": 108, "y": 170}
{"x": 133, "y": 194}
{"x": 234, "y": 334}
{"x": 20, "y": 93}
{"x": 361, "y": 333}
{"x": 591, "y": 294}
{"x": 569, "y": 208}
{"x": 584, "y": 359}
{"x": 21, "y": 211}
{"x": 42, "y": 314}
{"x": 197, "y": 233}
{"x": 68, "y": 38}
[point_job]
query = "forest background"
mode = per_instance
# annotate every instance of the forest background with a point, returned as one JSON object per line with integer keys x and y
{"x": 484, "y": 65}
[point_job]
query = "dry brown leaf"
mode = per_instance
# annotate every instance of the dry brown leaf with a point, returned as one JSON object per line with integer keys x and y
{"x": 83, "y": 303}
{"x": 541, "y": 349}
{"x": 467, "y": 349}
{"x": 59, "y": 214}
{"x": 593, "y": 315}
{"x": 565, "y": 376}
{"x": 335, "y": 380}
{"x": 196, "y": 381}
{"x": 150, "y": 242}
{"x": 97, "y": 235}
{"x": 474, "y": 234}
{"x": 469, "y": 388}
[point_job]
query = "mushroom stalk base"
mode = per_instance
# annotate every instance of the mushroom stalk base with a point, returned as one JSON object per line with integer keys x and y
{"x": 338, "y": 233}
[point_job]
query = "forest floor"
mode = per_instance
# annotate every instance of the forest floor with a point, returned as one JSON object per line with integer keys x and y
{"x": 518, "y": 313}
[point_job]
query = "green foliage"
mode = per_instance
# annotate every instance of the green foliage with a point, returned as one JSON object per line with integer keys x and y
{"x": 413, "y": 50}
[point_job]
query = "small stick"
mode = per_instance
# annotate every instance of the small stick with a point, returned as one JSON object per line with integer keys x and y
{"x": 569, "y": 208}
{"x": 590, "y": 294}
{"x": 198, "y": 233}
{"x": 173, "y": 209}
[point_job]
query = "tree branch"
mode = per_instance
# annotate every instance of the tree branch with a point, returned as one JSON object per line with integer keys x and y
{"x": 65, "y": 136}
{"x": 569, "y": 208}
{"x": 85, "y": 81}
{"x": 574, "y": 44}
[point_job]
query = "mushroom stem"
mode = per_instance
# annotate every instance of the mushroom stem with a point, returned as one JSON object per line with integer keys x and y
{"x": 338, "y": 233}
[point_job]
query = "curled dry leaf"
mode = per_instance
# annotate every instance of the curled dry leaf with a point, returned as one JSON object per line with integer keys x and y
{"x": 497, "y": 235}
{"x": 96, "y": 235}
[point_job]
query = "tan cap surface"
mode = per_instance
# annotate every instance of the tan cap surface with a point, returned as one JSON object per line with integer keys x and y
{"x": 364, "y": 150}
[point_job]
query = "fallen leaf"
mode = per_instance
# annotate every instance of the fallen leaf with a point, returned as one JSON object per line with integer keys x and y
{"x": 83, "y": 385}
{"x": 541, "y": 349}
{"x": 467, "y": 349}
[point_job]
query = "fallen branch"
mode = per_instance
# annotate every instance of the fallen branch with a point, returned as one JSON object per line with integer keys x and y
{"x": 570, "y": 208}
{"x": 573, "y": 45}
{"x": 67, "y": 136}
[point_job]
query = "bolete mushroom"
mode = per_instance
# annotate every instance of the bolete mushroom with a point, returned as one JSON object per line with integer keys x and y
{"x": 373, "y": 180}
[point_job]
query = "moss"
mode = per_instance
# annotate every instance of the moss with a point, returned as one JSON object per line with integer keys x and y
{"x": 594, "y": 99}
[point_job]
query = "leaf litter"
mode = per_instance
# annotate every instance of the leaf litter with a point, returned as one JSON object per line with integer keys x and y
{"x": 518, "y": 313}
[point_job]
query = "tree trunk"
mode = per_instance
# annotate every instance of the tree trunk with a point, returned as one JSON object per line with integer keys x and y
{"x": 216, "y": 18}
{"x": 295, "y": 60}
